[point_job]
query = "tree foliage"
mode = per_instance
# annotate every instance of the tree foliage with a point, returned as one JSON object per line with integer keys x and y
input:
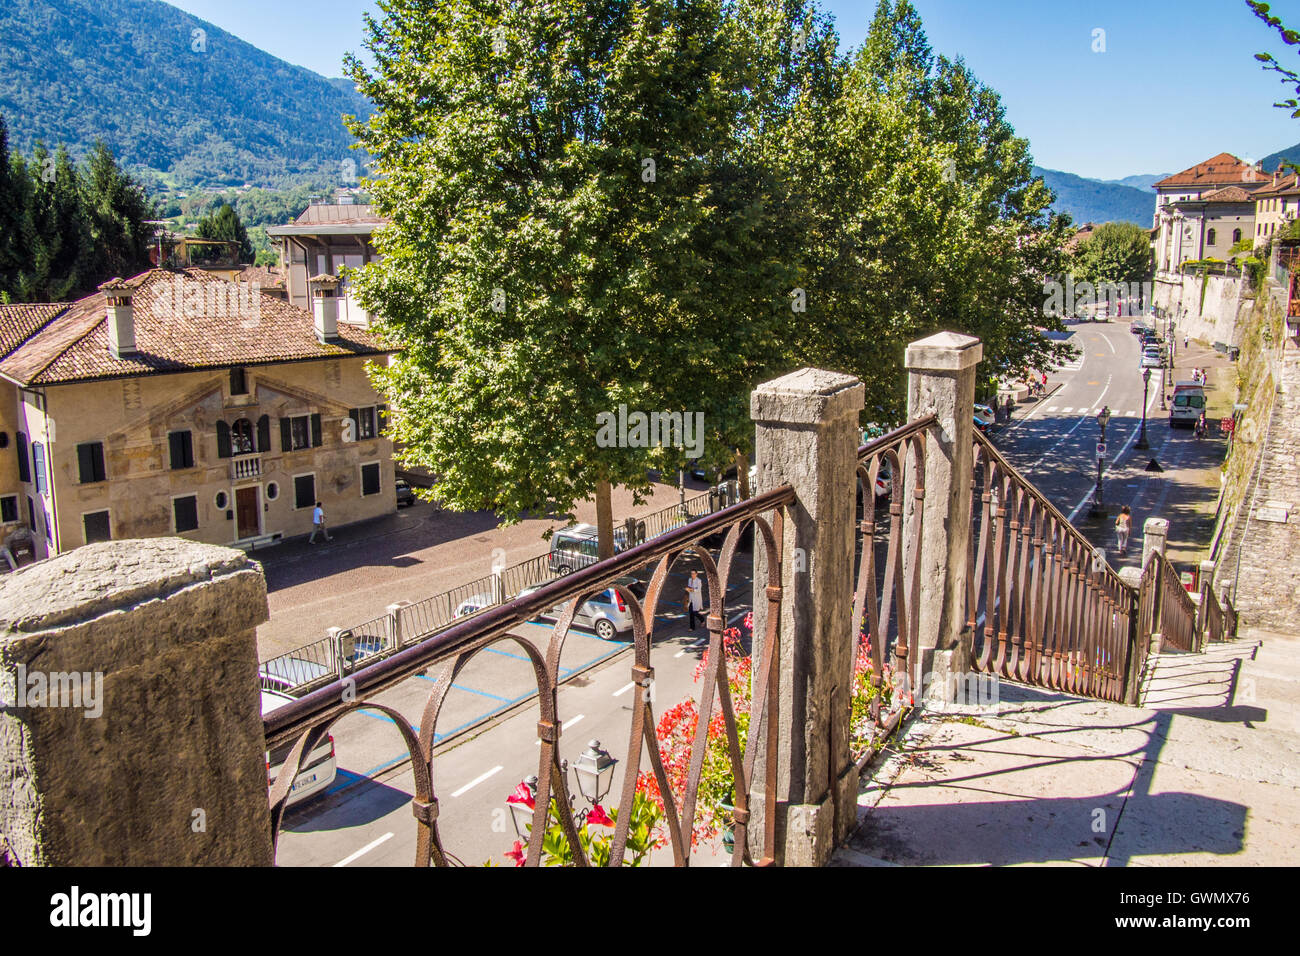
{"x": 598, "y": 203}
{"x": 65, "y": 228}
{"x": 1115, "y": 252}
{"x": 225, "y": 224}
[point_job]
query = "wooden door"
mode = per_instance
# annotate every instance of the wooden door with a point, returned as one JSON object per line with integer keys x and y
{"x": 246, "y": 512}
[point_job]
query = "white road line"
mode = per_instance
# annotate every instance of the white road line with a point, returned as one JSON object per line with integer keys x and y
{"x": 1051, "y": 408}
{"x": 365, "y": 849}
{"x": 680, "y": 653}
{"x": 1107, "y": 341}
{"x": 477, "y": 780}
{"x": 1066, "y": 411}
{"x": 565, "y": 725}
{"x": 624, "y": 689}
{"x": 1047, "y": 454}
{"x": 1132, "y": 437}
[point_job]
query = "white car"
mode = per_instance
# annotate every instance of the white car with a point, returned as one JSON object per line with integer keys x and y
{"x": 473, "y": 604}
{"x": 318, "y": 770}
{"x": 605, "y": 612}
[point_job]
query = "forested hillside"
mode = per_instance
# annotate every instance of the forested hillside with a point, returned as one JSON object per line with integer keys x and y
{"x": 168, "y": 92}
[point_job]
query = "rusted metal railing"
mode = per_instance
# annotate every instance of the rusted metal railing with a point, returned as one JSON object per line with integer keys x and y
{"x": 1045, "y": 608}
{"x": 1229, "y": 620}
{"x": 1177, "y": 624}
{"x": 885, "y": 598}
{"x": 305, "y": 721}
{"x": 1214, "y": 628}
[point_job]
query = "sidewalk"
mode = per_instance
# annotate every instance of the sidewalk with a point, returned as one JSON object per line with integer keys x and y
{"x": 1205, "y": 772}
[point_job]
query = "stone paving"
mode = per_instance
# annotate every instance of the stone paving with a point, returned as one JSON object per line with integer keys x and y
{"x": 1206, "y": 772}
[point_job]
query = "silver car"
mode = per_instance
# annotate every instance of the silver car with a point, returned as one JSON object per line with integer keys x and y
{"x": 606, "y": 613}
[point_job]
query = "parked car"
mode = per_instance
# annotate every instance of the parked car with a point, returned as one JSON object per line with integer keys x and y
{"x": 318, "y": 770}
{"x": 473, "y": 604}
{"x": 606, "y": 613}
{"x": 1152, "y": 359}
{"x": 576, "y": 547}
{"x": 405, "y": 494}
{"x": 282, "y": 674}
{"x": 983, "y": 422}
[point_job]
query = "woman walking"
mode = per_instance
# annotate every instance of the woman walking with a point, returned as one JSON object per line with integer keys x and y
{"x": 1123, "y": 524}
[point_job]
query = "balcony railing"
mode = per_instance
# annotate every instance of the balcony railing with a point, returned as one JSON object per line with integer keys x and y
{"x": 306, "y": 721}
{"x": 245, "y": 466}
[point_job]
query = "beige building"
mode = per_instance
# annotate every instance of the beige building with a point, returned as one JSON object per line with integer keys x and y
{"x": 178, "y": 403}
{"x": 1200, "y": 210}
{"x": 1276, "y": 205}
{"x": 328, "y": 239}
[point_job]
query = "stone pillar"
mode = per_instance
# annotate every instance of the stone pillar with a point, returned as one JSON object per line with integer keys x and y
{"x": 1154, "y": 535}
{"x": 941, "y": 380}
{"x": 395, "y": 622}
{"x": 807, "y": 436}
{"x": 146, "y": 746}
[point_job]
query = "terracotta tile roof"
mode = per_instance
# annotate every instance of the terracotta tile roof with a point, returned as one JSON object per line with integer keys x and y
{"x": 1230, "y": 194}
{"x": 1222, "y": 170}
{"x": 18, "y": 322}
{"x": 266, "y": 277}
{"x": 1286, "y": 186}
{"x": 183, "y": 321}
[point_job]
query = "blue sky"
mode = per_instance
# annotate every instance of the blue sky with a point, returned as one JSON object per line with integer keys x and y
{"x": 1177, "y": 82}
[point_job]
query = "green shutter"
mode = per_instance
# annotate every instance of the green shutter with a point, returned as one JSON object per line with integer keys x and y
{"x": 316, "y": 441}
{"x": 223, "y": 440}
{"x": 264, "y": 433}
{"x": 286, "y": 435}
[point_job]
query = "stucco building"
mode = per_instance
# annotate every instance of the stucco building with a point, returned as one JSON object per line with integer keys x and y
{"x": 328, "y": 239}
{"x": 1200, "y": 210}
{"x": 179, "y": 403}
{"x": 1276, "y": 205}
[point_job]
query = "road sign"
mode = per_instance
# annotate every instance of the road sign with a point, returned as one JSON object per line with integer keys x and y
{"x": 1101, "y": 449}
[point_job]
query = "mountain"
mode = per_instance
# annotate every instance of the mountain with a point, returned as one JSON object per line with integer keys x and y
{"x": 1291, "y": 155}
{"x": 1091, "y": 200}
{"x": 167, "y": 92}
{"x": 1143, "y": 181}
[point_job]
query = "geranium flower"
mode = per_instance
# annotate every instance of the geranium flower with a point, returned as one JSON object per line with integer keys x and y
{"x": 599, "y": 817}
{"x": 522, "y": 795}
{"x": 517, "y": 852}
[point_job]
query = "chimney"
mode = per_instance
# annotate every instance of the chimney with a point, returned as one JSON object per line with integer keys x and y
{"x": 121, "y": 318}
{"x": 325, "y": 307}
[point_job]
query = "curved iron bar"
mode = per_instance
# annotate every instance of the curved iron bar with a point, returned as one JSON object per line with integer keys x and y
{"x": 308, "y": 719}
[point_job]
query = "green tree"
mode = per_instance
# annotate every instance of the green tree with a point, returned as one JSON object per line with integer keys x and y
{"x": 575, "y": 228}
{"x": 225, "y": 224}
{"x": 1290, "y": 38}
{"x": 117, "y": 210}
{"x": 13, "y": 211}
{"x": 1115, "y": 252}
{"x": 61, "y": 234}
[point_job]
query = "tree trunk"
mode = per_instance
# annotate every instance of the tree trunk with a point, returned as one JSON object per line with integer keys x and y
{"x": 604, "y": 521}
{"x": 742, "y": 473}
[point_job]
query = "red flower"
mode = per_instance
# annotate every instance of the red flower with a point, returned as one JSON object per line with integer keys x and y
{"x": 517, "y": 852}
{"x": 599, "y": 817}
{"x": 522, "y": 795}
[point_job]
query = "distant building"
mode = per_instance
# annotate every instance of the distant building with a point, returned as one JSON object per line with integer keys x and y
{"x": 1201, "y": 209}
{"x": 1276, "y": 205}
{"x": 328, "y": 239}
{"x": 179, "y": 403}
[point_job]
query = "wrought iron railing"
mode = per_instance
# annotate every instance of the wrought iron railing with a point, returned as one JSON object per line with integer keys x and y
{"x": 1213, "y": 626}
{"x": 1177, "y": 612}
{"x": 305, "y": 721}
{"x": 1044, "y": 606}
{"x": 888, "y": 580}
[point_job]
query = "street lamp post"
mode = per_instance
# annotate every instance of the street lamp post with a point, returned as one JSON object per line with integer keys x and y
{"x": 1142, "y": 435}
{"x": 1099, "y": 501}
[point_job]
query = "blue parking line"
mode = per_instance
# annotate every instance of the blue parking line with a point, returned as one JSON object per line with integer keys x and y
{"x": 438, "y": 737}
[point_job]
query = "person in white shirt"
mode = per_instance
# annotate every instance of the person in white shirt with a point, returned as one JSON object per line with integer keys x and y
{"x": 318, "y": 525}
{"x": 695, "y": 598}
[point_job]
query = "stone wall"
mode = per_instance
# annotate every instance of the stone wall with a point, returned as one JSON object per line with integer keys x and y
{"x": 1208, "y": 308}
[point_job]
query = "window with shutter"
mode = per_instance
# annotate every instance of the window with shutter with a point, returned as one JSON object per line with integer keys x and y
{"x": 304, "y": 491}
{"x": 90, "y": 462}
{"x": 238, "y": 382}
{"x": 264, "y": 433}
{"x": 97, "y": 527}
{"x": 182, "y": 450}
{"x": 24, "y": 468}
{"x": 286, "y": 435}
{"x": 316, "y": 441}
{"x": 370, "y": 479}
{"x": 381, "y": 412}
{"x": 9, "y": 508}
{"x": 38, "y": 465}
{"x": 186, "y": 512}
{"x": 223, "y": 440}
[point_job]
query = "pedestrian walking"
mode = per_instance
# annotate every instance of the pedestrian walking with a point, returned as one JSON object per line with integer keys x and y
{"x": 1011, "y": 403}
{"x": 318, "y": 525}
{"x": 1123, "y": 525}
{"x": 1044, "y": 381}
{"x": 695, "y": 598}
{"x": 1186, "y": 339}
{"x": 1200, "y": 427}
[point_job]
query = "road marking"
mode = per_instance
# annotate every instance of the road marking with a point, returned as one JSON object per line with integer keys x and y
{"x": 477, "y": 780}
{"x": 365, "y": 849}
{"x": 564, "y": 725}
{"x": 1082, "y": 411}
{"x": 1108, "y": 342}
{"x": 1131, "y": 439}
{"x": 624, "y": 689}
{"x": 1051, "y": 408}
{"x": 1066, "y": 411}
